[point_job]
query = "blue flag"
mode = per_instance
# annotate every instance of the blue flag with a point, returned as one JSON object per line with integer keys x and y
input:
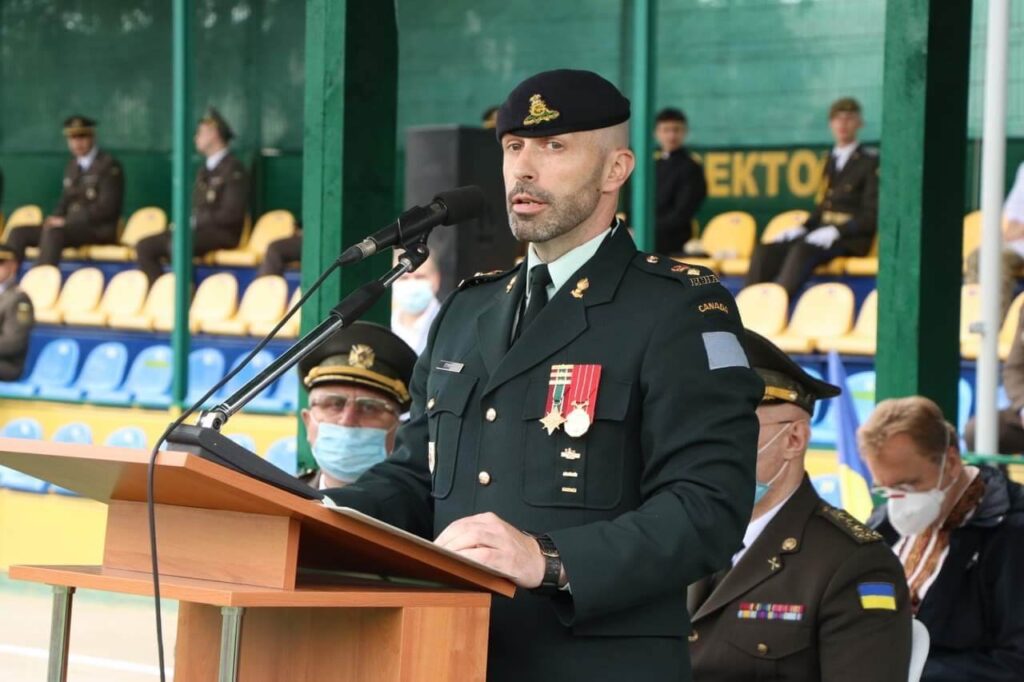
{"x": 854, "y": 477}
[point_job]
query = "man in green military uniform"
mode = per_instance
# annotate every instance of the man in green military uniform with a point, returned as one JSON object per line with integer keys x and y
{"x": 89, "y": 208}
{"x": 16, "y": 319}
{"x": 814, "y": 594}
{"x": 845, "y": 220}
{"x": 220, "y": 199}
{"x": 358, "y": 383}
{"x": 583, "y": 423}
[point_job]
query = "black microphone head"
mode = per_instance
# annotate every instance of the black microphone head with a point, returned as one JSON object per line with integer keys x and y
{"x": 463, "y": 203}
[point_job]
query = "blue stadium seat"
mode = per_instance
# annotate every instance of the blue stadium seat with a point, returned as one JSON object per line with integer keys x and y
{"x": 27, "y": 428}
{"x": 862, "y": 390}
{"x": 245, "y": 440}
{"x": 281, "y": 397}
{"x": 55, "y": 366}
{"x": 102, "y": 370}
{"x": 205, "y": 368}
{"x": 965, "y": 398}
{"x": 1002, "y": 399}
{"x": 284, "y": 454}
{"x": 258, "y": 364}
{"x": 127, "y": 437}
{"x": 75, "y": 432}
{"x": 148, "y": 382}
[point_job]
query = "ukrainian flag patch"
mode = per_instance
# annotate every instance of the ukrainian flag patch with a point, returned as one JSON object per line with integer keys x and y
{"x": 877, "y": 596}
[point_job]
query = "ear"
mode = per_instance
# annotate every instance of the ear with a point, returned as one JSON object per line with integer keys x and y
{"x": 797, "y": 440}
{"x": 620, "y": 165}
{"x": 305, "y": 419}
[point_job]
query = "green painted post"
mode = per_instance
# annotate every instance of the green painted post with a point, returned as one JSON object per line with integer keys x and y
{"x": 348, "y": 157}
{"x": 181, "y": 152}
{"x": 641, "y": 122}
{"x": 924, "y": 130}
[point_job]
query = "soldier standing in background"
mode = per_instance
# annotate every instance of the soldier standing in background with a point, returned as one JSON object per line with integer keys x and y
{"x": 90, "y": 204}
{"x": 220, "y": 198}
{"x": 16, "y": 319}
{"x": 681, "y": 187}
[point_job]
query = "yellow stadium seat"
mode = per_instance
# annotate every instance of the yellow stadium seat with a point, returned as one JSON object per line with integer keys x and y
{"x": 42, "y": 285}
{"x": 23, "y": 216}
{"x": 125, "y": 296}
{"x": 243, "y": 244}
{"x": 970, "y": 345}
{"x": 863, "y": 338}
{"x": 145, "y": 222}
{"x": 728, "y": 239}
{"x": 216, "y": 300}
{"x": 763, "y": 308}
{"x": 291, "y": 328}
{"x": 781, "y": 223}
{"x": 264, "y": 301}
{"x": 825, "y": 310}
{"x": 972, "y": 233}
{"x": 81, "y": 293}
{"x": 866, "y": 266}
{"x": 271, "y": 226}
{"x": 157, "y": 312}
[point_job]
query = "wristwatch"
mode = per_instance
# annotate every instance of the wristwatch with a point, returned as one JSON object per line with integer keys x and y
{"x": 552, "y": 565}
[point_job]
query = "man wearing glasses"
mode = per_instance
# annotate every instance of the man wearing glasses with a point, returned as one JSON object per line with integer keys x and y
{"x": 958, "y": 530}
{"x": 358, "y": 383}
{"x": 813, "y": 594}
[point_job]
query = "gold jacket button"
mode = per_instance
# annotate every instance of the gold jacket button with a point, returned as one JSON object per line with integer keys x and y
{"x": 430, "y": 404}
{"x": 694, "y": 636}
{"x": 484, "y": 478}
{"x": 491, "y": 414}
{"x": 762, "y": 648}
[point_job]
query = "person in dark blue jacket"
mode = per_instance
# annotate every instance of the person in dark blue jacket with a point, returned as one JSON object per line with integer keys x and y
{"x": 959, "y": 533}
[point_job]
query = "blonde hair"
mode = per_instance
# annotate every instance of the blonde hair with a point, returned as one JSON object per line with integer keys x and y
{"x": 917, "y": 417}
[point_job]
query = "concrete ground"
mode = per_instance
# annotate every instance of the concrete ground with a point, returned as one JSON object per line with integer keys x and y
{"x": 113, "y": 637}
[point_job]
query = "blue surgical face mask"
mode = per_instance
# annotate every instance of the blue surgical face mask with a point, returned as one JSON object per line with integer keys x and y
{"x": 412, "y": 296}
{"x": 346, "y": 452}
{"x": 761, "y": 489}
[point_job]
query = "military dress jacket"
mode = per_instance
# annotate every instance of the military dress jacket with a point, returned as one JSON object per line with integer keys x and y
{"x": 850, "y": 201}
{"x": 655, "y": 495}
{"x": 91, "y": 200}
{"x": 16, "y": 320}
{"x": 680, "y": 189}
{"x": 818, "y": 596}
{"x": 220, "y": 198}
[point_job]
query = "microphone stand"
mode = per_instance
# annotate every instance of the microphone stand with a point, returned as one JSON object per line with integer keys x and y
{"x": 205, "y": 439}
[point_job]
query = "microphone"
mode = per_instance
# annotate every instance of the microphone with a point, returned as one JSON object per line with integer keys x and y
{"x": 447, "y": 208}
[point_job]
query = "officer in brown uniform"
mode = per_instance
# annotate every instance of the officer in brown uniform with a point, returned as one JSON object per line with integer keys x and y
{"x": 842, "y": 224}
{"x": 220, "y": 198}
{"x": 90, "y": 204}
{"x": 813, "y": 594}
{"x": 16, "y": 318}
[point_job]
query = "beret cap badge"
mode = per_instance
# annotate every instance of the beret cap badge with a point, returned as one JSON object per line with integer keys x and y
{"x": 361, "y": 356}
{"x": 539, "y": 112}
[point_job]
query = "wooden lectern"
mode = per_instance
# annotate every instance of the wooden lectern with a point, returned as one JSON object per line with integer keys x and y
{"x": 272, "y": 586}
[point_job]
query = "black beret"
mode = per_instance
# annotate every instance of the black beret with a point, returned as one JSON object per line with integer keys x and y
{"x": 223, "y": 129}
{"x": 561, "y": 101}
{"x": 364, "y": 354}
{"x": 784, "y": 380}
{"x": 79, "y": 125}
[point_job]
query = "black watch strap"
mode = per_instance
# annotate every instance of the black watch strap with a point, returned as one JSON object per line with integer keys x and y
{"x": 552, "y": 564}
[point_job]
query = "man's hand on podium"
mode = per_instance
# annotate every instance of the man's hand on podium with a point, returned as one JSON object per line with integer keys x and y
{"x": 486, "y": 539}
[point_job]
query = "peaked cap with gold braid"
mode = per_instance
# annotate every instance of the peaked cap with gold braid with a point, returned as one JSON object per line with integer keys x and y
{"x": 784, "y": 380}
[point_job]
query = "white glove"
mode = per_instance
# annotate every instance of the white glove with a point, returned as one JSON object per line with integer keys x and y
{"x": 791, "y": 234}
{"x": 823, "y": 237}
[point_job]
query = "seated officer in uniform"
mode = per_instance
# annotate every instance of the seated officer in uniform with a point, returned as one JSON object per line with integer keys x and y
{"x": 220, "y": 199}
{"x": 90, "y": 204}
{"x": 813, "y": 594}
{"x": 281, "y": 252}
{"x": 958, "y": 530}
{"x": 16, "y": 319}
{"x": 583, "y": 423}
{"x": 842, "y": 224}
{"x": 358, "y": 383}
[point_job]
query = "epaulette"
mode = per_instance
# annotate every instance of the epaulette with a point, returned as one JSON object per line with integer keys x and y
{"x": 855, "y": 529}
{"x": 483, "y": 278}
{"x": 690, "y": 275}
